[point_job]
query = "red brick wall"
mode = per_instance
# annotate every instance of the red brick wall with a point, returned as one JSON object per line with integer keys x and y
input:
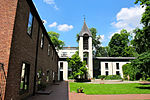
{"x": 7, "y": 18}
{"x": 23, "y": 49}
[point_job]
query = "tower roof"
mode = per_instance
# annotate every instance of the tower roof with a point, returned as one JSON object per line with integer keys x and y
{"x": 85, "y": 30}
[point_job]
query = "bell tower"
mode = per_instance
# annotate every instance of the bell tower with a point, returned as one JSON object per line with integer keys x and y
{"x": 85, "y": 48}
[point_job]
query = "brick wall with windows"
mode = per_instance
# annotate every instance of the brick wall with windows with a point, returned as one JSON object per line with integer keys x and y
{"x": 20, "y": 49}
{"x": 7, "y": 18}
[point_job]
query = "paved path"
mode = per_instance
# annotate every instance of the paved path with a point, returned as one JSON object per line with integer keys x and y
{"x": 60, "y": 92}
{"x": 80, "y": 96}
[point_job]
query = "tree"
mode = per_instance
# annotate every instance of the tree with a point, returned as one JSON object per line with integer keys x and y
{"x": 78, "y": 67}
{"x": 102, "y": 52}
{"x": 119, "y": 45}
{"x": 139, "y": 41}
{"x": 96, "y": 43}
{"x": 145, "y": 32}
{"x": 55, "y": 39}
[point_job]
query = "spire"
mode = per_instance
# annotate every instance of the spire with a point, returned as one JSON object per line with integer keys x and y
{"x": 85, "y": 29}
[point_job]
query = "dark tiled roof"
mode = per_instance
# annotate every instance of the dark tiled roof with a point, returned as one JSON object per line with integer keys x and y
{"x": 115, "y": 58}
{"x": 85, "y": 30}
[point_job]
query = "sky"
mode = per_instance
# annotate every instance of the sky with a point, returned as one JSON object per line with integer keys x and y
{"x": 66, "y": 17}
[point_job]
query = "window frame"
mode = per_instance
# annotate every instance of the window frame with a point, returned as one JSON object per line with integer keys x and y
{"x": 106, "y": 66}
{"x": 48, "y": 49}
{"x": 26, "y": 75}
{"x": 61, "y": 63}
{"x": 117, "y": 66}
{"x": 106, "y": 72}
{"x": 42, "y": 41}
{"x": 30, "y": 13}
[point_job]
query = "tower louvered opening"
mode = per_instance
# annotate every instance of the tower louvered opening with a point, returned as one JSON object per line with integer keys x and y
{"x": 85, "y": 41}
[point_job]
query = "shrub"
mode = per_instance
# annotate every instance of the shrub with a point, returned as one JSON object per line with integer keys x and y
{"x": 101, "y": 77}
{"x": 113, "y": 77}
{"x": 148, "y": 79}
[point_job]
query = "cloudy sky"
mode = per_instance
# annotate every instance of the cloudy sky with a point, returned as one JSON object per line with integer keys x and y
{"x": 107, "y": 16}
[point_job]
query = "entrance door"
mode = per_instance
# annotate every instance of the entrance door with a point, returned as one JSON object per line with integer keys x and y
{"x": 61, "y": 75}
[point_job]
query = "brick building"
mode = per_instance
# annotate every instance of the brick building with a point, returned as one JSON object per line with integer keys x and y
{"x": 27, "y": 55}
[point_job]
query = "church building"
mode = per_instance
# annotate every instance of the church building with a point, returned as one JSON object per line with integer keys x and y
{"x": 96, "y": 65}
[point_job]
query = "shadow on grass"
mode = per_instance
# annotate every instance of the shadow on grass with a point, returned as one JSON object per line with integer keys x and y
{"x": 142, "y": 86}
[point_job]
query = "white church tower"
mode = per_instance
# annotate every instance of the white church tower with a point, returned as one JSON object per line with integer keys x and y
{"x": 85, "y": 48}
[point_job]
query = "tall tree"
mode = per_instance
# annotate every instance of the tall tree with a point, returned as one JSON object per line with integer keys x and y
{"x": 55, "y": 39}
{"x": 78, "y": 67}
{"x": 119, "y": 45}
{"x": 145, "y": 32}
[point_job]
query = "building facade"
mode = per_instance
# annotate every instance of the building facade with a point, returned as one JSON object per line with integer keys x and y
{"x": 27, "y": 56}
{"x": 96, "y": 66}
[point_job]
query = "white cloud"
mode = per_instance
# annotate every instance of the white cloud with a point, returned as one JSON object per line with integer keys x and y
{"x": 129, "y": 18}
{"x": 54, "y": 24}
{"x": 44, "y": 21}
{"x": 51, "y": 2}
{"x": 64, "y": 27}
{"x": 102, "y": 38}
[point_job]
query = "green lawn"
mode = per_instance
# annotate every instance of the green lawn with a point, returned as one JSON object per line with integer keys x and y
{"x": 132, "y": 88}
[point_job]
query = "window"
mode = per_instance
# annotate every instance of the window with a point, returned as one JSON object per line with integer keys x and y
{"x": 24, "y": 84}
{"x": 48, "y": 49}
{"x": 47, "y": 76}
{"x": 61, "y": 65}
{"x": 52, "y": 54}
{"x": 106, "y": 66}
{"x": 64, "y": 54}
{"x": 30, "y": 21}
{"x": 42, "y": 41}
{"x": 117, "y": 65}
{"x": 117, "y": 73}
{"x": 85, "y": 42}
{"x": 107, "y": 73}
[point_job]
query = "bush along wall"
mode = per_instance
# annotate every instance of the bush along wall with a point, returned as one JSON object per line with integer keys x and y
{"x": 109, "y": 77}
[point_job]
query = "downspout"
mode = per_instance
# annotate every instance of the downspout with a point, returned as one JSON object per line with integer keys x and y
{"x": 36, "y": 58}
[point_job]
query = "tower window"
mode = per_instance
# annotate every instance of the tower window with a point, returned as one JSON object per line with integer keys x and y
{"x": 85, "y": 42}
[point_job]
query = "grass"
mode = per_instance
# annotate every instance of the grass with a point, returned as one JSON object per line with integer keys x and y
{"x": 132, "y": 88}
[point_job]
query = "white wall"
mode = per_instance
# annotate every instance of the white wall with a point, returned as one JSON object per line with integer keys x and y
{"x": 112, "y": 67}
{"x": 65, "y": 70}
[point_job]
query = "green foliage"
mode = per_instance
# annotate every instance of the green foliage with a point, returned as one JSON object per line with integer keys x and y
{"x": 142, "y": 64}
{"x": 102, "y": 52}
{"x": 119, "y": 45}
{"x": 101, "y": 77}
{"x": 138, "y": 68}
{"x": 148, "y": 79}
{"x": 132, "y": 71}
{"x": 113, "y": 77}
{"x": 143, "y": 35}
{"x": 78, "y": 67}
{"x": 58, "y": 44}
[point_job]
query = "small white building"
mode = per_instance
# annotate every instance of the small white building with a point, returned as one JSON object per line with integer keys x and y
{"x": 96, "y": 66}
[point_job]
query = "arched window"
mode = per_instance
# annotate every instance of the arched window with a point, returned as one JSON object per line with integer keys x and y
{"x": 85, "y": 41}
